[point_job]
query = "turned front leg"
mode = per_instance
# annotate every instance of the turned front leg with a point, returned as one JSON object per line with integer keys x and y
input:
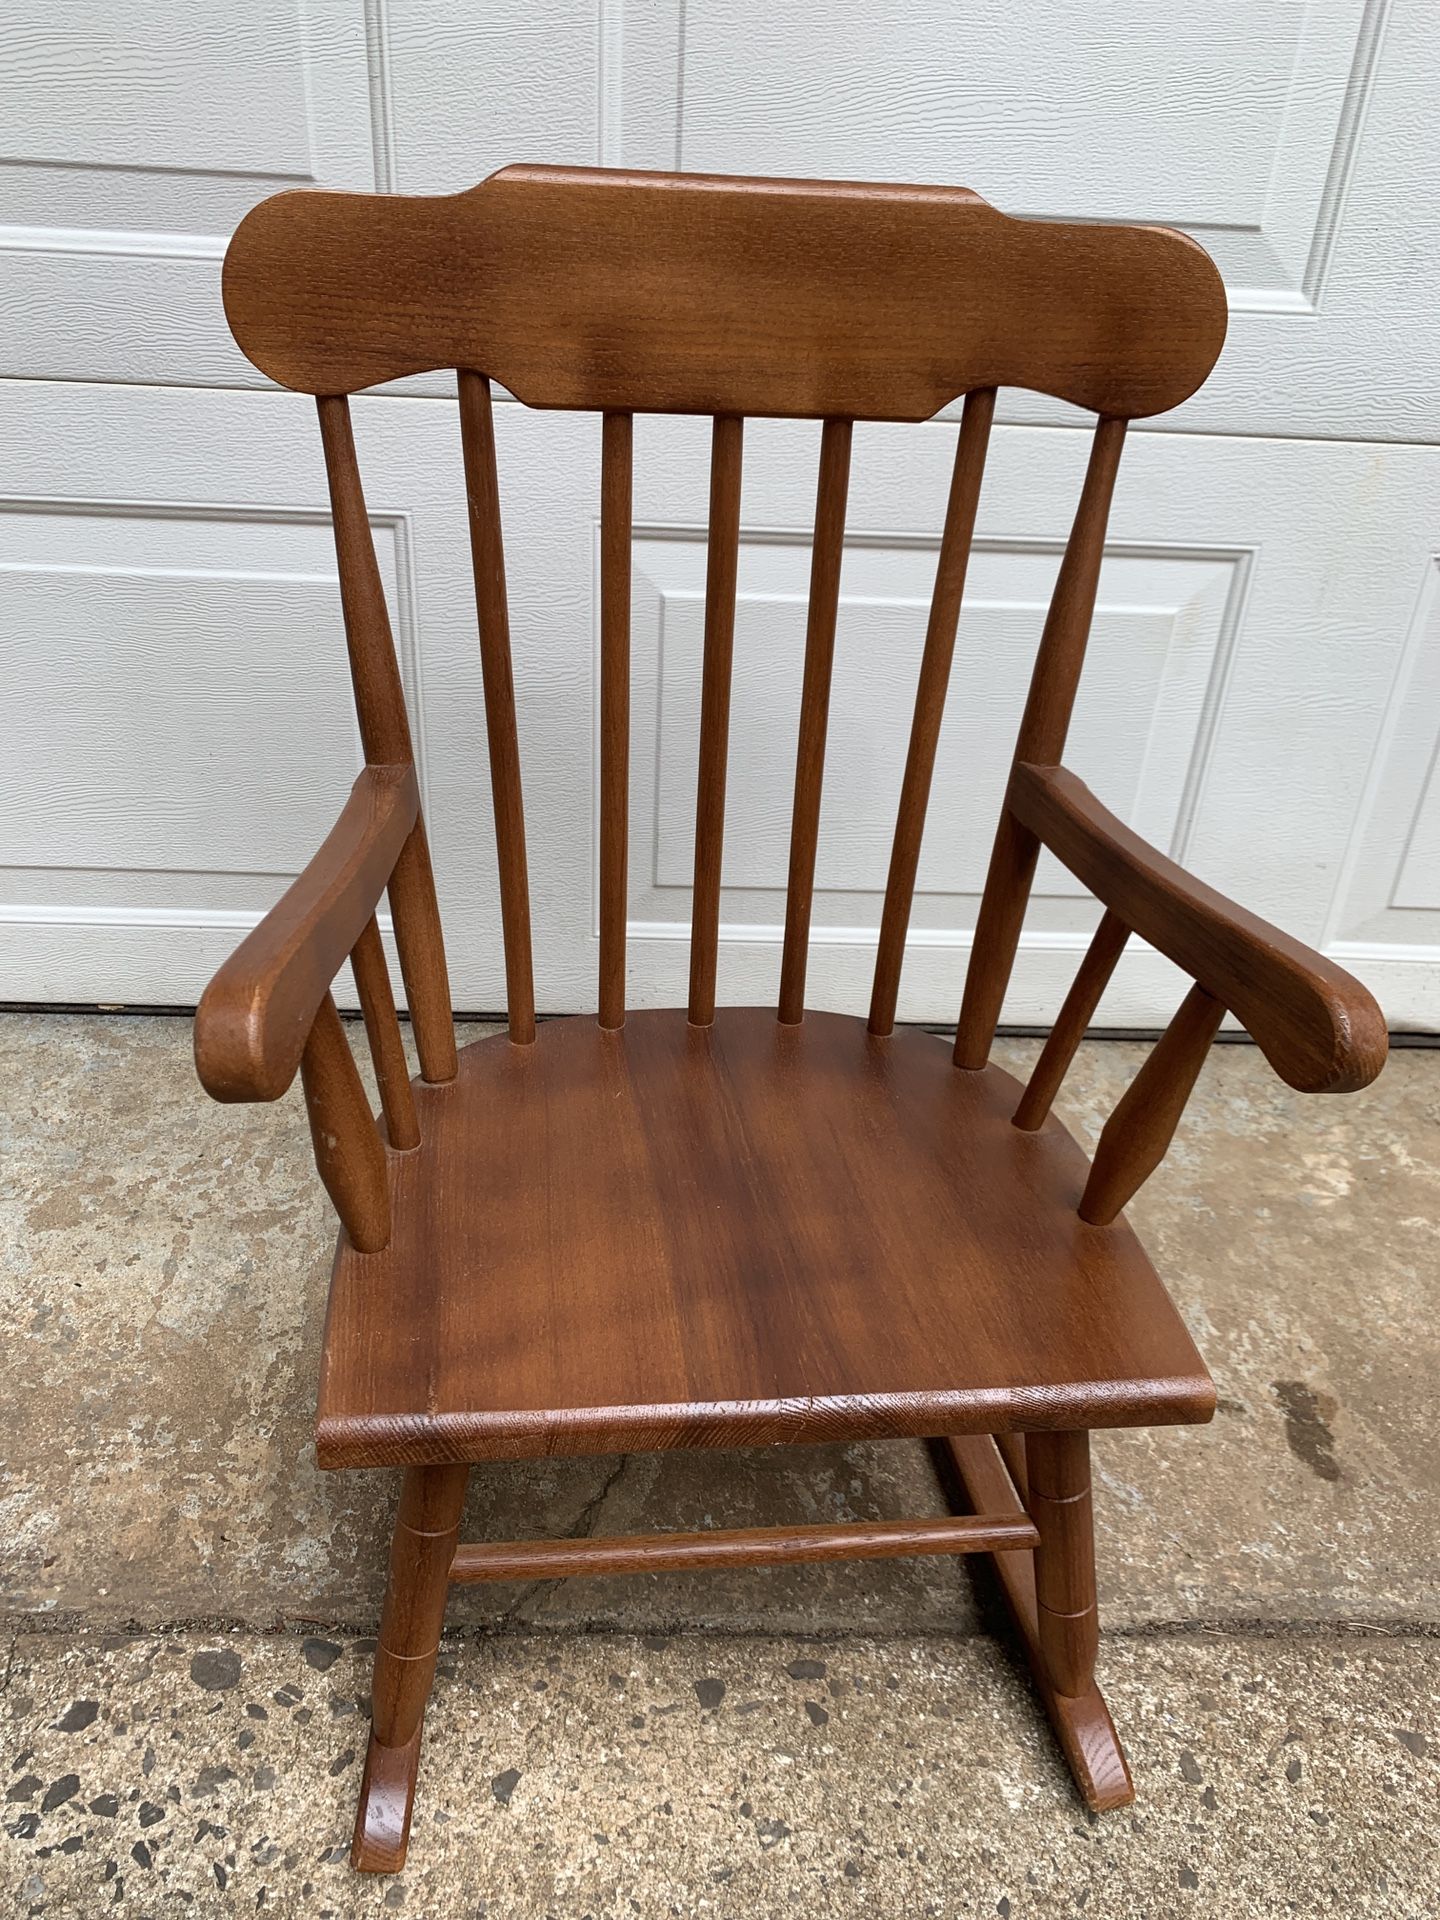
{"x": 1058, "y": 1498}
{"x": 426, "y": 1529}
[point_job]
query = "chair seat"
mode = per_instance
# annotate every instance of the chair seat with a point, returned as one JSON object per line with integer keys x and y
{"x": 671, "y": 1236}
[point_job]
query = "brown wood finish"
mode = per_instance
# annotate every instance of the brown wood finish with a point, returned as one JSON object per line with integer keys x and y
{"x": 828, "y": 551}
{"x": 1315, "y": 1024}
{"x": 1074, "y": 1017}
{"x": 385, "y": 738}
{"x": 727, "y": 442}
{"x": 1057, "y": 1496}
{"x": 824, "y": 1235}
{"x": 743, "y": 1547}
{"x": 662, "y": 1231}
{"x": 255, "y": 1015}
{"x": 1135, "y": 1137}
{"x": 1082, "y": 1723}
{"x": 492, "y": 607}
{"x": 935, "y": 662}
{"x": 1012, "y": 1452}
{"x": 617, "y": 461}
{"x": 426, "y": 1528}
{"x": 421, "y": 947}
{"x": 348, "y": 1152}
{"x": 1043, "y": 727}
{"x": 374, "y": 670}
{"x": 387, "y": 1047}
{"x": 686, "y": 293}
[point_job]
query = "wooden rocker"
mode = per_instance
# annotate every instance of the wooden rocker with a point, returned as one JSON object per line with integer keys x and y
{"x": 697, "y": 1229}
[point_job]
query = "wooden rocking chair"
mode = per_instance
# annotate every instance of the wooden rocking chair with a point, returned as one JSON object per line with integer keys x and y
{"x": 701, "y": 1229}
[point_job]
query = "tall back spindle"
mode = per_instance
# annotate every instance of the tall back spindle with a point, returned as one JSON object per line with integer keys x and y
{"x": 385, "y": 741}
{"x": 722, "y": 559}
{"x": 487, "y": 552}
{"x": 814, "y": 711}
{"x": 627, "y": 293}
{"x": 950, "y": 569}
{"x": 1043, "y": 729}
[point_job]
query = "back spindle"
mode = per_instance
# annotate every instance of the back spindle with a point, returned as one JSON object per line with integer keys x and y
{"x": 950, "y": 569}
{"x": 825, "y": 561}
{"x": 722, "y": 562}
{"x": 1091, "y": 980}
{"x": 387, "y": 1048}
{"x": 616, "y": 488}
{"x": 385, "y": 741}
{"x": 348, "y": 1152}
{"x": 487, "y": 553}
{"x": 1043, "y": 728}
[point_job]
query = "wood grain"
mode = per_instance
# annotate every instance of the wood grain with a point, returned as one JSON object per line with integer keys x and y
{"x": 1316, "y": 1025}
{"x": 826, "y": 557}
{"x": 721, "y": 1229}
{"x": 1075, "y": 1016}
{"x": 727, "y": 442}
{"x": 431, "y": 1499}
{"x": 492, "y": 607}
{"x": 1057, "y": 1471}
{"x": 255, "y": 1016}
{"x": 652, "y": 292}
{"x": 616, "y": 482}
{"x": 740, "y": 1547}
{"x": 348, "y": 1151}
{"x": 374, "y": 670}
{"x": 1134, "y": 1139}
{"x": 1054, "y": 681}
{"x": 934, "y": 683}
{"x": 823, "y": 1235}
{"x": 1082, "y": 1725}
{"x": 421, "y": 946}
{"x": 387, "y": 1046}
{"x": 385, "y": 739}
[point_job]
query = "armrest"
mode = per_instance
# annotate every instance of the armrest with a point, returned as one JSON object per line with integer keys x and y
{"x": 1315, "y": 1024}
{"x": 256, "y": 1014}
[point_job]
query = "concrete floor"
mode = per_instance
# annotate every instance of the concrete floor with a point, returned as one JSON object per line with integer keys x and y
{"x": 1269, "y": 1583}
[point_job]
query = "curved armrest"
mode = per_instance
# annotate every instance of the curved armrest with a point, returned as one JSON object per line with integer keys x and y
{"x": 1315, "y": 1024}
{"x": 256, "y": 1014}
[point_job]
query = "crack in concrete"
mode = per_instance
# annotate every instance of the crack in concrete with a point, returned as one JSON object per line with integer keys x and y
{"x": 582, "y": 1528}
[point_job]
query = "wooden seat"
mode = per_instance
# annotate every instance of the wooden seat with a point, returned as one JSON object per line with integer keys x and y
{"x": 734, "y": 1235}
{"x": 718, "y": 1226}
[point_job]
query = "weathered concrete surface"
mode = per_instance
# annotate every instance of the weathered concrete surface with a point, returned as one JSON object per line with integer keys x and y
{"x": 164, "y": 1271}
{"x": 571, "y": 1775}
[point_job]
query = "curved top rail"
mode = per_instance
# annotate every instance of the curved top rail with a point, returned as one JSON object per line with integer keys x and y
{"x": 691, "y": 293}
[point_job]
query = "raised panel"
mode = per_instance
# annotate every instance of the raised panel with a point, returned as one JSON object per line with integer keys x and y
{"x": 136, "y": 138}
{"x": 161, "y": 83}
{"x": 1417, "y": 881}
{"x": 1417, "y": 886}
{"x": 130, "y": 780}
{"x": 1234, "y": 123}
{"x": 1388, "y": 904}
{"x": 163, "y": 119}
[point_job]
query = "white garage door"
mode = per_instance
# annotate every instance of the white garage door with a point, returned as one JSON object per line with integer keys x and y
{"x": 1262, "y": 693}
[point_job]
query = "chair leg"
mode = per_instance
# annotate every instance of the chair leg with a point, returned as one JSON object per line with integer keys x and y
{"x": 1081, "y": 1721}
{"x": 426, "y": 1530}
{"x": 1057, "y": 1470}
